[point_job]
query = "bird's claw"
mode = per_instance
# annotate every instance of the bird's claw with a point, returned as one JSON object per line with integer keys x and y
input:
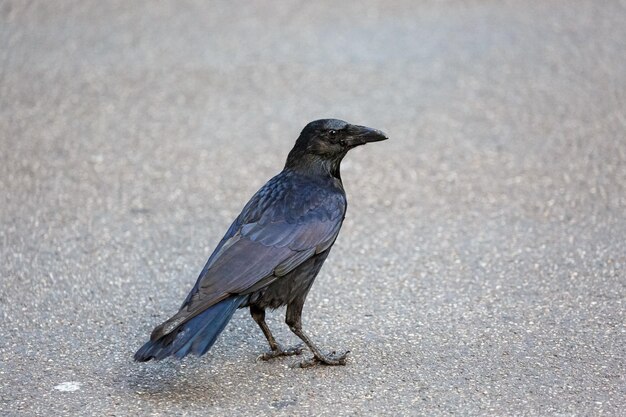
{"x": 294, "y": 350}
{"x": 330, "y": 359}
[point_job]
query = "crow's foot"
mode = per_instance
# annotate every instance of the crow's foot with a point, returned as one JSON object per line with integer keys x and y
{"x": 275, "y": 353}
{"x": 331, "y": 359}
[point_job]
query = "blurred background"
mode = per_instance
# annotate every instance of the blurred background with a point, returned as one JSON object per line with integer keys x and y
{"x": 480, "y": 270}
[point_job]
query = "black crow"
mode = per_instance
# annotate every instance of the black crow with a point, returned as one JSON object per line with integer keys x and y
{"x": 272, "y": 252}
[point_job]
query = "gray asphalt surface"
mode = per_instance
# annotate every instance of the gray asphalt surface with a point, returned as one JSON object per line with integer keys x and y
{"x": 481, "y": 268}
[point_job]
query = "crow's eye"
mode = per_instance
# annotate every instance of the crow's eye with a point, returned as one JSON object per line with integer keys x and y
{"x": 332, "y": 133}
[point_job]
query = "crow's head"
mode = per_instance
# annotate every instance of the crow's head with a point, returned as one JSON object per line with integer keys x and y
{"x": 324, "y": 143}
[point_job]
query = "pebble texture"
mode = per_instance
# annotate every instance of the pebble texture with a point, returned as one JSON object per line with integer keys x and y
{"x": 481, "y": 267}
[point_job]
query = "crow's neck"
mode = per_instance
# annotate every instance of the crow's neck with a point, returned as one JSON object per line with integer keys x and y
{"x": 314, "y": 165}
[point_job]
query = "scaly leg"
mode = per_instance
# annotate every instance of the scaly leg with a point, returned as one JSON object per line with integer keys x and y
{"x": 258, "y": 314}
{"x": 294, "y": 321}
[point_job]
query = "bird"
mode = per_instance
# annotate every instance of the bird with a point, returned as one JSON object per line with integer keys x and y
{"x": 272, "y": 252}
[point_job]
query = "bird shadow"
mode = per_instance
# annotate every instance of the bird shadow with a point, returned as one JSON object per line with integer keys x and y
{"x": 206, "y": 380}
{"x": 175, "y": 381}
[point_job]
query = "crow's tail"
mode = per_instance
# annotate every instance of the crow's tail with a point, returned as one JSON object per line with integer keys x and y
{"x": 194, "y": 336}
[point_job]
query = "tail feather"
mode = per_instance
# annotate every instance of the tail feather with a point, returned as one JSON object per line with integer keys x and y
{"x": 194, "y": 336}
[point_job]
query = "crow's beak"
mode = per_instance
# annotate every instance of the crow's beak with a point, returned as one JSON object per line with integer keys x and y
{"x": 360, "y": 135}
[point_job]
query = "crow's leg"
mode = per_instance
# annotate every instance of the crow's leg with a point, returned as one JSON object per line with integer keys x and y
{"x": 258, "y": 314}
{"x": 294, "y": 321}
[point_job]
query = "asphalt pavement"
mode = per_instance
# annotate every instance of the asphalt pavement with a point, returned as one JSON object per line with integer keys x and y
{"x": 481, "y": 269}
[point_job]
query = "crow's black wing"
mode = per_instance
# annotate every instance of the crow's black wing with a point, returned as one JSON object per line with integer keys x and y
{"x": 290, "y": 219}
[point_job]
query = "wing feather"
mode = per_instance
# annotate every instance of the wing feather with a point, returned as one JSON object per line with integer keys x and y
{"x": 286, "y": 222}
